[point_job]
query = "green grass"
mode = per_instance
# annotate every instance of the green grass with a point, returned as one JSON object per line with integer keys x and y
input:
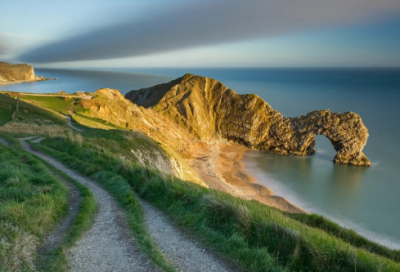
{"x": 5, "y": 115}
{"x": 254, "y": 236}
{"x": 54, "y": 259}
{"x": 57, "y": 104}
{"x": 32, "y": 202}
{"x": 32, "y": 114}
{"x": 83, "y": 121}
{"x": 126, "y": 198}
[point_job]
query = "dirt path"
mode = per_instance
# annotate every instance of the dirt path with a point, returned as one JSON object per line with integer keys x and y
{"x": 107, "y": 248}
{"x": 108, "y": 245}
{"x": 54, "y": 240}
{"x": 185, "y": 253}
{"x": 69, "y": 122}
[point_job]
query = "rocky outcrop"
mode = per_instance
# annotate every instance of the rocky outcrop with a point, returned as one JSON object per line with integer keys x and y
{"x": 110, "y": 105}
{"x": 209, "y": 110}
{"x": 17, "y": 72}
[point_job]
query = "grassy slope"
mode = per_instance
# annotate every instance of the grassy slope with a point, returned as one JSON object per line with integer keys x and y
{"x": 54, "y": 259}
{"x": 59, "y": 104}
{"x": 122, "y": 193}
{"x": 31, "y": 203}
{"x": 29, "y": 113}
{"x": 5, "y": 115}
{"x": 257, "y": 237}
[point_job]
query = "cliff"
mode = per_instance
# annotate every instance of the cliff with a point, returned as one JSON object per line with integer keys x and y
{"x": 209, "y": 110}
{"x": 110, "y": 105}
{"x": 17, "y": 72}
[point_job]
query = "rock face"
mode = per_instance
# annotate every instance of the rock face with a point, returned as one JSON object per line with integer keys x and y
{"x": 17, "y": 72}
{"x": 110, "y": 105}
{"x": 209, "y": 110}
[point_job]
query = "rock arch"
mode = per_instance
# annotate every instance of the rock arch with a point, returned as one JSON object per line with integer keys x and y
{"x": 346, "y": 132}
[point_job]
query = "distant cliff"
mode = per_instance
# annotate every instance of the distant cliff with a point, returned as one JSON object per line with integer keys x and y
{"x": 17, "y": 72}
{"x": 209, "y": 110}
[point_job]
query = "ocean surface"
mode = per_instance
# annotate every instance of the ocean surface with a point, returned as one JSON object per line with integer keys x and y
{"x": 365, "y": 199}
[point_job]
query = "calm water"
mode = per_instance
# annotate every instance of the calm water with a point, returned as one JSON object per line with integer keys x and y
{"x": 366, "y": 199}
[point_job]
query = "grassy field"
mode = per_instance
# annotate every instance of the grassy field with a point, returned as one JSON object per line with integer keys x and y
{"x": 256, "y": 237}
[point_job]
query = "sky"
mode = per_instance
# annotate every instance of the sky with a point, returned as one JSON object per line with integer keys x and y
{"x": 201, "y": 33}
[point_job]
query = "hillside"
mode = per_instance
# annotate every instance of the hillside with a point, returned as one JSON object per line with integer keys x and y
{"x": 209, "y": 110}
{"x": 131, "y": 166}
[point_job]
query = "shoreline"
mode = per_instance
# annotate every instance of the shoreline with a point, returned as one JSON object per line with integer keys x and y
{"x": 21, "y": 81}
{"x": 220, "y": 166}
{"x": 281, "y": 202}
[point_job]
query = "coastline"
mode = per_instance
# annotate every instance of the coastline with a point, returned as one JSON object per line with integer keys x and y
{"x": 21, "y": 81}
{"x": 220, "y": 166}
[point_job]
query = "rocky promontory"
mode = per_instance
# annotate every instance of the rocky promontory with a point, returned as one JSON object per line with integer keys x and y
{"x": 10, "y": 73}
{"x": 209, "y": 110}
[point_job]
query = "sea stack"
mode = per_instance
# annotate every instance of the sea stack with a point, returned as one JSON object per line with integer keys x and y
{"x": 209, "y": 110}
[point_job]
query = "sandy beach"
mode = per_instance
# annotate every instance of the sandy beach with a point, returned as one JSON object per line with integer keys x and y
{"x": 220, "y": 166}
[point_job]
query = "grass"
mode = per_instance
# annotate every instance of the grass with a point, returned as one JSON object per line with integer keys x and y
{"x": 31, "y": 114}
{"x": 254, "y": 236}
{"x": 57, "y": 104}
{"x": 54, "y": 259}
{"x": 32, "y": 202}
{"x": 119, "y": 188}
{"x": 5, "y": 115}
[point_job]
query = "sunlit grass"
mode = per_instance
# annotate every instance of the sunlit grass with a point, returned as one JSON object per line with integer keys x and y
{"x": 255, "y": 236}
{"x": 31, "y": 203}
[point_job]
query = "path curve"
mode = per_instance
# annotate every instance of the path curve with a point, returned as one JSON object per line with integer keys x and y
{"x": 69, "y": 123}
{"x": 107, "y": 246}
{"x": 184, "y": 252}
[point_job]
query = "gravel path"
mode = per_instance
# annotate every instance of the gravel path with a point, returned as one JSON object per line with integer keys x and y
{"x": 69, "y": 122}
{"x": 184, "y": 252}
{"x": 108, "y": 246}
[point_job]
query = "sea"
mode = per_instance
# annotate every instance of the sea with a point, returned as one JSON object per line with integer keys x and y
{"x": 366, "y": 199}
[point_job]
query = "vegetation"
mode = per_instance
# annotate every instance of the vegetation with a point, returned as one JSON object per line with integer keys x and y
{"x": 57, "y": 104}
{"x": 50, "y": 259}
{"x": 55, "y": 259}
{"x": 256, "y": 237}
{"x": 31, "y": 114}
{"x": 31, "y": 203}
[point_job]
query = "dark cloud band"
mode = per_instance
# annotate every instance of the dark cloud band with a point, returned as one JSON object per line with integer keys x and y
{"x": 202, "y": 23}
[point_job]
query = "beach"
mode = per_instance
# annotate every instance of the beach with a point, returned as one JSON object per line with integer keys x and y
{"x": 220, "y": 166}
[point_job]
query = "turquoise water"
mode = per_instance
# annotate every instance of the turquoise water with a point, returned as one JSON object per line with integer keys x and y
{"x": 366, "y": 199}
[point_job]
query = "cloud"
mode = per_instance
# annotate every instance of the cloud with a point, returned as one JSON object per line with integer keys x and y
{"x": 200, "y": 23}
{"x": 3, "y": 46}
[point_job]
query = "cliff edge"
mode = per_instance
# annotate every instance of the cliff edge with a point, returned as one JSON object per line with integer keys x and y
{"x": 209, "y": 110}
{"x": 17, "y": 72}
